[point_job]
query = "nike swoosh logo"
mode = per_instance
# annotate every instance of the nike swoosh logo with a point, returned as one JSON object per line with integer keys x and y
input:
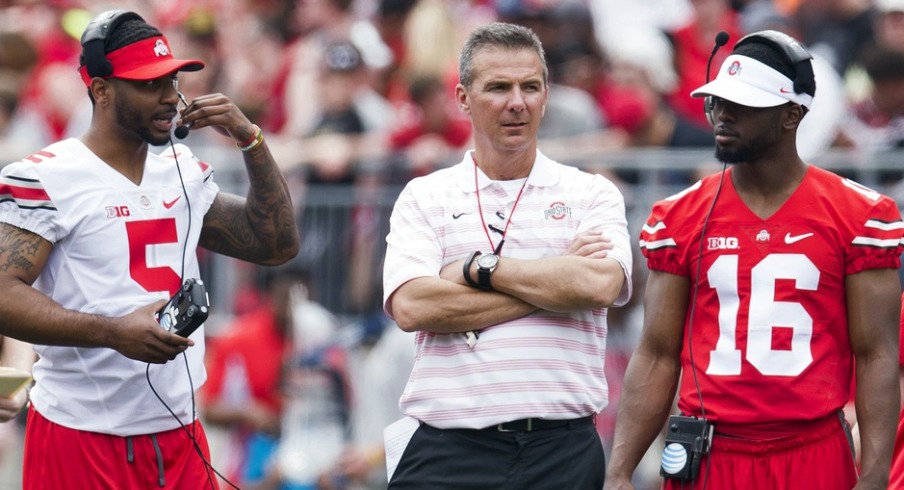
{"x": 784, "y": 90}
{"x": 170, "y": 204}
{"x": 459, "y": 215}
{"x": 794, "y": 239}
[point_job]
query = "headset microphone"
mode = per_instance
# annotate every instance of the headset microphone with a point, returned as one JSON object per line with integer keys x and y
{"x": 182, "y": 131}
{"x": 721, "y": 39}
{"x": 689, "y": 437}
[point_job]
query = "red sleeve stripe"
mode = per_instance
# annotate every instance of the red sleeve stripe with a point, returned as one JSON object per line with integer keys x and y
{"x": 206, "y": 170}
{"x": 27, "y": 193}
{"x": 25, "y": 196}
{"x": 36, "y": 157}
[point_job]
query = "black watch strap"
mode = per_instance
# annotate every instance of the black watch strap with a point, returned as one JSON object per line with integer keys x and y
{"x": 466, "y": 270}
{"x": 483, "y": 279}
{"x": 484, "y": 273}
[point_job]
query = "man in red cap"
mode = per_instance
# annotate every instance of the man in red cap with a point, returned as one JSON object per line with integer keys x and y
{"x": 96, "y": 233}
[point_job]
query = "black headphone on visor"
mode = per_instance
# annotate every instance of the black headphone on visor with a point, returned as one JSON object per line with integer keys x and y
{"x": 793, "y": 51}
{"x": 95, "y": 37}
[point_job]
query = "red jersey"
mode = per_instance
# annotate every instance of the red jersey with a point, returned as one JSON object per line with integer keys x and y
{"x": 769, "y": 328}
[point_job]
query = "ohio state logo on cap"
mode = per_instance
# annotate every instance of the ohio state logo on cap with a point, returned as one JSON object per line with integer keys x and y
{"x": 160, "y": 48}
{"x": 146, "y": 59}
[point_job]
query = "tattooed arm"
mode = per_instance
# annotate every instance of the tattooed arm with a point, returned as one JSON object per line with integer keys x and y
{"x": 259, "y": 228}
{"x": 28, "y": 315}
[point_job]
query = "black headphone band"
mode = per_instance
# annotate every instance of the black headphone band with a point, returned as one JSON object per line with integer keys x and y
{"x": 95, "y": 37}
{"x": 794, "y": 52}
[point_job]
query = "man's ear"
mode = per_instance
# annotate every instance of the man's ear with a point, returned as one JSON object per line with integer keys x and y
{"x": 793, "y": 115}
{"x": 461, "y": 96}
{"x": 100, "y": 89}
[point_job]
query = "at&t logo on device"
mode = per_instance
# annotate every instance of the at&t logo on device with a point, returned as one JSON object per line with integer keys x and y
{"x": 674, "y": 458}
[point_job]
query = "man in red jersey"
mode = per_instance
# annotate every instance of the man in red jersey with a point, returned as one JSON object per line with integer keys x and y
{"x": 769, "y": 282}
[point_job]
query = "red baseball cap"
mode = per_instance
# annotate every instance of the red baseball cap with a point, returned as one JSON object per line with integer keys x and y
{"x": 144, "y": 60}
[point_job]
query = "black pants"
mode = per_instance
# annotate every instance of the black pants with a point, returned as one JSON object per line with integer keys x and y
{"x": 569, "y": 458}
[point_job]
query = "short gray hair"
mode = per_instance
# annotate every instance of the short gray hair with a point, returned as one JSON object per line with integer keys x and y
{"x": 497, "y": 35}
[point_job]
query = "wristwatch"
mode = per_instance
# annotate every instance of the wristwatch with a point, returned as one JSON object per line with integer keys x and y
{"x": 466, "y": 269}
{"x": 486, "y": 264}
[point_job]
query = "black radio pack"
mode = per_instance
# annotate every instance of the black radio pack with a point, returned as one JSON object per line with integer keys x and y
{"x": 186, "y": 310}
{"x": 687, "y": 440}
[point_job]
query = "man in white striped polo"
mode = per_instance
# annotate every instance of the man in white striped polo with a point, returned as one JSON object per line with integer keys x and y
{"x": 504, "y": 265}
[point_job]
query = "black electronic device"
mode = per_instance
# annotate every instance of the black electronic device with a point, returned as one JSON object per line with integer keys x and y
{"x": 708, "y": 102}
{"x": 794, "y": 52}
{"x": 186, "y": 310}
{"x": 95, "y": 36}
{"x": 687, "y": 440}
{"x": 181, "y": 132}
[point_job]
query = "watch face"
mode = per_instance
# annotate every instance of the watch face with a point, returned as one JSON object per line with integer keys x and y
{"x": 487, "y": 261}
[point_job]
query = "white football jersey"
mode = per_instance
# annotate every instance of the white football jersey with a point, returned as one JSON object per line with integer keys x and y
{"x": 117, "y": 246}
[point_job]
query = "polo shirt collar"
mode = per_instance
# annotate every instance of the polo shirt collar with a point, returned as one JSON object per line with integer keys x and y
{"x": 543, "y": 173}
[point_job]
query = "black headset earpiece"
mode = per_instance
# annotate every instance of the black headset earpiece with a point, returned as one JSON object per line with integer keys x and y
{"x": 708, "y": 105}
{"x": 95, "y": 36}
{"x": 794, "y": 51}
{"x": 708, "y": 102}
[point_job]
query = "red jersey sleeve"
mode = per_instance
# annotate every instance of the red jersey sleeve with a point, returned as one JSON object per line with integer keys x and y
{"x": 672, "y": 230}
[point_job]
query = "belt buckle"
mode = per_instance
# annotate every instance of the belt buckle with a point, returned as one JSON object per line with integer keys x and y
{"x": 530, "y": 426}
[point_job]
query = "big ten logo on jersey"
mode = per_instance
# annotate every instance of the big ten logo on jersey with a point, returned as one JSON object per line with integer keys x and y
{"x": 117, "y": 212}
{"x": 722, "y": 243}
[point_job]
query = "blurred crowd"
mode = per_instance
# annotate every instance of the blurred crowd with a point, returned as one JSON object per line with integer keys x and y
{"x": 357, "y": 95}
{"x": 338, "y": 83}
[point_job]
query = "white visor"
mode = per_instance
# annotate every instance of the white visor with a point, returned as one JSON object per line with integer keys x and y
{"x": 748, "y": 82}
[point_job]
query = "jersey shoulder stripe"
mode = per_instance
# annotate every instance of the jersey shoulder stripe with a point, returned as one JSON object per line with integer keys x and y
{"x": 183, "y": 154}
{"x": 26, "y": 193}
{"x": 685, "y": 208}
{"x": 38, "y": 157}
{"x": 658, "y": 244}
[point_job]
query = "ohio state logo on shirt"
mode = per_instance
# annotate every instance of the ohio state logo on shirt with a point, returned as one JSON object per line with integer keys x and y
{"x": 557, "y": 210}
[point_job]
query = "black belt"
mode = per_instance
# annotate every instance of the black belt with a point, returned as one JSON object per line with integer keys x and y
{"x": 528, "y": 425}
